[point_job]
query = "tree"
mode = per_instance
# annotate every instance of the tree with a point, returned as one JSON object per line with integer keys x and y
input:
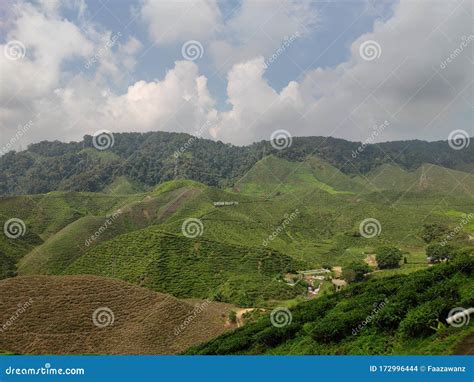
{"x": 388, "y": 257}
{"x": 432, "y": 232}
{"x": 355, "y": 271}
{"x": 437, "y": 252}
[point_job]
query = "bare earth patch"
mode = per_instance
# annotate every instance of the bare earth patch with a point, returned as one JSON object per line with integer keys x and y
{"x": 59, "y": 318}
{"x": 370, "y": 260}
{"x": 337, "y": 271}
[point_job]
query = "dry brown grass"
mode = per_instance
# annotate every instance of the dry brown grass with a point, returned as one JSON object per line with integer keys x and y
{"x": 59, "y": 320}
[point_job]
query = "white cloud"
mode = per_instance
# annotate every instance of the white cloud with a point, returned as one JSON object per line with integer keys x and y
{"x": 179, "y": 102}
{"x": 49, "y": 42}
{"x": 405, "y": 85}
{"x": 257, "y": 109}
{"x": 178, "y": 21}
{"x": 258, "y": 29}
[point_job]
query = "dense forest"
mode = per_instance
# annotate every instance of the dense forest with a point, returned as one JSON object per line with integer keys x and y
{"x": 153, "y": 157}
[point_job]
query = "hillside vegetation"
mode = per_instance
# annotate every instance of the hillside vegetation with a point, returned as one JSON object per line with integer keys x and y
{"x": 147, "y": 159}
{"x": 407, "y": 316}
{"x": 192, "y": 267}
{"x": 108, "y": 228}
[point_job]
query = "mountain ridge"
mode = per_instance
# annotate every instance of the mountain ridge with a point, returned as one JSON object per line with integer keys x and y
{"x": 148, "y": 159}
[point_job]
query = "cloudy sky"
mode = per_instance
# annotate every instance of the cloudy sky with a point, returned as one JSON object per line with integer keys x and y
{"x": 236, "y": 70}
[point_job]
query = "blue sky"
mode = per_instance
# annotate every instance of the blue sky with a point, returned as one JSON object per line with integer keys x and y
{"x": 346, "y": 20}
{"x": 330, "y": 68}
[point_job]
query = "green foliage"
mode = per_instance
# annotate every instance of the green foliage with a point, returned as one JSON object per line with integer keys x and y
{"x": 149, "y": 159}
{"x": 381, "y": 316}
{"x": 388, "y": 257}
{"x": 355, "y": 271}
{"x": 191, "y": 267}
{"x": 420, "y": 320}
{"x": 433, "y": 232}
{"x": 440, "y": 252}
{"x": 233, "y": 316}
{"x": 7, "y": 266}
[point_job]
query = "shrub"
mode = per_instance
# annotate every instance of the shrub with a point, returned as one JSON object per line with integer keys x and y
{"x": 355, "y": 271}
{"x": 420, "y": 321}
{"x": 388, "y": 257}
{"x": 438, "y": 252}
{"x": 432, "y": 232}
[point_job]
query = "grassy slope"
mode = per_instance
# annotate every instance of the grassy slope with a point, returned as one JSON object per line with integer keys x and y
{"x": 59, "y": 319}
{"x": 322, "y": 233}
{"x": 272, "y": 175}
{"x": 68, "y": 244}
{"x": 191, "y": 267}
{"x": 426, "y": 177}
{"x": 124, "y": 186}
{"x": 412, "y": 320}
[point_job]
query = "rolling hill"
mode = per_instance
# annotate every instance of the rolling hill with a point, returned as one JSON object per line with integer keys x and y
{"x": 273, "y": 175}
{"x": 188, "y": 267}
{"x": 54, "y": 315}
{"x": 428, "y": 177}
{"x": 129, "y": 213}
{"x": 324, "y": 230}
{"x": 150, "y": 158}
{"x": 261, "y": 215}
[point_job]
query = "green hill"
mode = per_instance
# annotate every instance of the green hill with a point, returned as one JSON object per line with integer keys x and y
{"x": 396, "y": 315}
{"x": 123, "y": 186}
{"x": 66, "y": 245}
{"x": 150, "y": 158}
{"x": 323, "y": 229}
{"x": 427, "y": 177}
{"x": 188, "y": 267}
{"x": 273, "y": 175}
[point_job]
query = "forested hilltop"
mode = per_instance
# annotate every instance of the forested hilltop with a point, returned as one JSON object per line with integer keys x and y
{"x": 151, "y": 158}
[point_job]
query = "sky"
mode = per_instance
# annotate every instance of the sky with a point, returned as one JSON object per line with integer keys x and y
{"x": 236, "y": 70}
